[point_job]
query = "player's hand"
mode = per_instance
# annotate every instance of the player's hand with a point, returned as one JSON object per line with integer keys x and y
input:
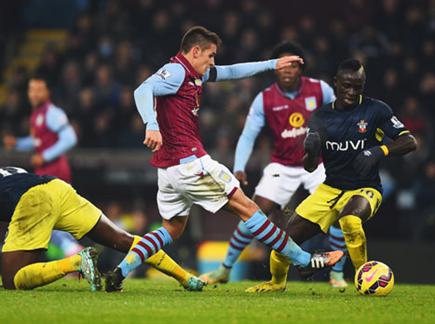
{"x": 9, "y": 142}
{"x": 312, "y": 143}
{"x": 37, "y": 160}
{"x": 153, "y": 140}
{"x": 367, "y": 160}
{"x": 286, "y": 61}
{"x": 242, "y": 177}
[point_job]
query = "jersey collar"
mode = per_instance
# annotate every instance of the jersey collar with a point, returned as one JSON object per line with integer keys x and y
{"x": 43, "y": 106}
{"x": 359, "y": 102}
{"x": 292, "y": 95}
{"x": 180, "y": 58}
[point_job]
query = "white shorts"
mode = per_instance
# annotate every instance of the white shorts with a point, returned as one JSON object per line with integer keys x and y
{"x": 204, "y": 182}
{"x": 279, "y": 182}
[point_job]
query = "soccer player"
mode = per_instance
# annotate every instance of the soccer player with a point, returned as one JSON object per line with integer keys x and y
{"x": 285, "y": 106}
{"x": 347, "y": 134}
{"x": 33, "y": 206}
{"x": 51, "y": 137}
{"x": 51, "y": 134}
{"x": 186, "y": 174}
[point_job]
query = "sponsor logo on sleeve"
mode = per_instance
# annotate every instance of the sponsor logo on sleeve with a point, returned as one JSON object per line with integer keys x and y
{"x": 163, "y": 73}
{"x": 397, "y": 123}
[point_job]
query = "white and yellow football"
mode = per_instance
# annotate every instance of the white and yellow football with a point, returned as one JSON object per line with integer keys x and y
{"x": 374, "y": 278}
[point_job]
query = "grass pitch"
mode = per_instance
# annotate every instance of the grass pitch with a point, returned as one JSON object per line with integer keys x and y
{"x": 151, "y": 301}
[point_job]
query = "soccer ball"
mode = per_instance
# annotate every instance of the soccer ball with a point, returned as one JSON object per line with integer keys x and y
{"x": 374, "y": 278}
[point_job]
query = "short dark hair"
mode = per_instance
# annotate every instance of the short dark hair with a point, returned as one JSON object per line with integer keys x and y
{"x": 198, "y": 35}
{"x": 42, "y": 77}
{"x": 350, "y": 64}
{"x": 288, "y": 47}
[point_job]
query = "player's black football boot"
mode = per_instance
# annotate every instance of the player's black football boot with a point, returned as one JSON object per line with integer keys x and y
{"x": 114, "y": 280}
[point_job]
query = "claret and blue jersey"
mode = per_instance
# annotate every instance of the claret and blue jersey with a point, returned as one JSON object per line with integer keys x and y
{"x": 169, "y": 101}
{"x": 345, "y": 133}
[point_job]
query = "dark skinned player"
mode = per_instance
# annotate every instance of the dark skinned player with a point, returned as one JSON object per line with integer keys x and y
{"x": 33, "y": 206}
{"x": 348, "y": 135}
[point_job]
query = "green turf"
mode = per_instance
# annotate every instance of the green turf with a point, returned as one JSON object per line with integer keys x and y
{"x": 146, "y": 301}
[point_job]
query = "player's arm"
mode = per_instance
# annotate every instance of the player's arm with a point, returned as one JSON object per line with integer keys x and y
{"x": 403, "y": 145}
{"x": 57, "y": 122}
{"x": 165, "y": 81}
{"x": 24, "y": 144}
{"x": 253, "y": 125}
{"x": 402, "y": 142}
{"x": 245, "y": 70}
{"x": 312, "y": 145}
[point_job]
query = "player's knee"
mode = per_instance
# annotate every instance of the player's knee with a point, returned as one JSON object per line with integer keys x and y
{"x": 242, "y": 205}
{"x": 264, "y": 204}
{"x": 175, "y": 228}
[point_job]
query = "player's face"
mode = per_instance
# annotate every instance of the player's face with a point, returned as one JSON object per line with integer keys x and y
{"x": 349, "y": 87}
{"x": 289, "y": 77}
{"x": 204, "y": 58}
{"x": 38, "y": 92}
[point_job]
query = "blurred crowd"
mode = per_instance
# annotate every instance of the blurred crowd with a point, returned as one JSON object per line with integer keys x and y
{"x": 115, "y": 45}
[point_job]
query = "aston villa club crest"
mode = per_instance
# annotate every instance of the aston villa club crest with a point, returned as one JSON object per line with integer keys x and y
{"x": 362, "y": 126}
{"x": 310, "y": 103}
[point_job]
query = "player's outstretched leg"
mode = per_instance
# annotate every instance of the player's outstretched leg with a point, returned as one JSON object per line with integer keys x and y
{"x": 300, "y": 230}
{"x": 108, "y": 234}
{"x": 165, "y": 264}
{"x": 43, "y": 273}
{"x": 239, "y": 241}
{"x": 148, "y": 249}
{"x": 336, "y": 240}
{"x": 147, "y": 246}
{"x": 268, "y": 233}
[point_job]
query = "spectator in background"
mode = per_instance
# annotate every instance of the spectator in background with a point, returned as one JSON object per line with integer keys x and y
{"x": 106, "y": 89}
